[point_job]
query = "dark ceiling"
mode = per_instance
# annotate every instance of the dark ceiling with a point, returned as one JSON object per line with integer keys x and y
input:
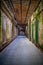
{"x": 22, "y": 9}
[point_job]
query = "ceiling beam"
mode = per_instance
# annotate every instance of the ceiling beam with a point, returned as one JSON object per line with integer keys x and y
{"x": 15, "y": 19}
{"x": 40, "y": 12}
{"x": 21, "y": 9}
{"x": 37, "y": 5}
{"x": 27, "y": 10}
{"x": 12, "y": 6}
{"x": 5, "y": 9}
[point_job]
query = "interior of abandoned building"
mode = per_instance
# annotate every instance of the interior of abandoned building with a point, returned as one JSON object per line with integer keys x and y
{"x": 21, "y": 32}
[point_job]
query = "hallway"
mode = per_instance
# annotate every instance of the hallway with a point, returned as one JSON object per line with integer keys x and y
{"x": 21, "y": 32}
{"x": 21, "y": 52}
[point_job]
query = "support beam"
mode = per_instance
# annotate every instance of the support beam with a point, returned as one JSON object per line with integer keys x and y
{"x": 28, "y": 10}
{"x": 5, "y": 9}
{"x": 11, "y": 5}
{"x": 37, "y": 5}
{"x": 21, "y": 9}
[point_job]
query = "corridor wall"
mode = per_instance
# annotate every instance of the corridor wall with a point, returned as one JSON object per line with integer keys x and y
{"x": 4, "y": 29}
{"x": 8, "y": 30}
{"x": 37, "y": 26}
{"x": 40, "y": 30}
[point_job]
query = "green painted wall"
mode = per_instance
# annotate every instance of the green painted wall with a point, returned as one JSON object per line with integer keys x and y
{"x": 36, "y": 24}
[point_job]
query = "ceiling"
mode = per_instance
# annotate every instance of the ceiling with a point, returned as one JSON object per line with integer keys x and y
{"x": 22, "y": 9}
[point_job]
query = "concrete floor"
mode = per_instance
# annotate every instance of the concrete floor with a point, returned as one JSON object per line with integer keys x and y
{"x": 21, "y": 52}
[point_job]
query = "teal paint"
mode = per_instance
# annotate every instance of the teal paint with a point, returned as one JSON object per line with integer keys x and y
{"x": 36, "y": 30}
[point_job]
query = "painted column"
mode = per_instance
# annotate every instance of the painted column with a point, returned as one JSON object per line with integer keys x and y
{"x": 3, "y": 20}
{"x": 36, "y": 30}
{"x": 30, "y": 29}
{"x": 0, "y": 29}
